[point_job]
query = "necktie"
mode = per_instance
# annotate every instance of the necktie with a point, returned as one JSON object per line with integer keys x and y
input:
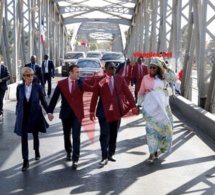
{"x": 110, "y": 83}
{"x": 72, "y": 86}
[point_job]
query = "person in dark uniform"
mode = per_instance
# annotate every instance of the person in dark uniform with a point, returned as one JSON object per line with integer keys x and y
{"x": 4, "y": 77}
{"x": 29, "y": 115}
{"x": 48, "y": 70}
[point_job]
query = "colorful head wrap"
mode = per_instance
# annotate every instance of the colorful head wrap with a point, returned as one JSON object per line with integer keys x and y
{"x": 157, "y": 62}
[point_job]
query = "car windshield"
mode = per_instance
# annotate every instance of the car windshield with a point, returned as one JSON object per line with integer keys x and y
{"x": 73, "y": 55}
{"x": 112, "y": 56}
{"x": 94, "y": 55}
{"x": 88, "y": 64}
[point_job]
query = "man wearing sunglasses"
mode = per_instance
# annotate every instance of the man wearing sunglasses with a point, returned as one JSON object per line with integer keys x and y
{"x": 111, "y": 90}
{"x": 4, "y": 77}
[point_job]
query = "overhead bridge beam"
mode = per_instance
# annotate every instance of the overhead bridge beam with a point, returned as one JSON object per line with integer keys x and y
{"x": 114, "y": 32}
{"x": 124, "y": 1}
{"x": 71, "y": 20}
{"x": 72, "y": 9}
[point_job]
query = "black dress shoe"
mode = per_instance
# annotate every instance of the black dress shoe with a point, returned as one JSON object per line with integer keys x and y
{"x": 68, "y": 157}
{"x": 37, "y": 155}
{"x": 111, "y": 158}
{"x": 74, "y": 164}
{"x": 103, "y": 162}
{"x": 25, "y": 165}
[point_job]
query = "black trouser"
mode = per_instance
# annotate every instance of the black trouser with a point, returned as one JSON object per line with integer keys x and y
{"x": 108, "y": 137}
{"x": 2, "y": 92}
{"x": 47, "y": 77}
{"x": 24, "y": 140}
{"x": 72, "y": 124}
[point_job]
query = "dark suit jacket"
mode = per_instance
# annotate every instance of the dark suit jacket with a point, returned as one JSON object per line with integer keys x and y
{"x": 38, "y": 74}
{"x": 36, "y": 120}
{"x": 106, "y": 99}
{"x": 70, "y": 101}
{"x": 4, "y": 76}
{"x": 51, "y": 68}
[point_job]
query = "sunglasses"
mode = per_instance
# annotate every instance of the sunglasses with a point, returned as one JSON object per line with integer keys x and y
{"x": 152, "y": 67}
{"x": 28, "y": 75}
{"x": 111, "y": 68}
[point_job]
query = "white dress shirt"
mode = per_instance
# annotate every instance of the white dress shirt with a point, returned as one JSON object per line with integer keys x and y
{"x": 46, "y": 63}
{"x": 28, "y": 91}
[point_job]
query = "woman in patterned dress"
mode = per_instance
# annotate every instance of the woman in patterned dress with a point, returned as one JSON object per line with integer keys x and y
{"x": 154, "y": 99}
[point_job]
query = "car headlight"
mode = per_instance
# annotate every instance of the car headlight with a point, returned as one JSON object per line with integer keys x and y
{"x": 63, "y": 64}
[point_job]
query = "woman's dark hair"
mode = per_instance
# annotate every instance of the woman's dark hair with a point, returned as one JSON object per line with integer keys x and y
{"x": 160, "y": 73}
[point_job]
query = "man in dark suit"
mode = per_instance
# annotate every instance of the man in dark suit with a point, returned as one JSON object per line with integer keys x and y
{"x": 4, "y": 77}
{"x": 38, "y": 74}
{"x": 71, "y": 90}
{"x": 48, "y": 72}
{"x": 111, "y": 90}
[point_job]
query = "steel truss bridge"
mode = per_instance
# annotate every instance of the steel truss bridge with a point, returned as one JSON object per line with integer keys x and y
{"x": 183, "y": 28}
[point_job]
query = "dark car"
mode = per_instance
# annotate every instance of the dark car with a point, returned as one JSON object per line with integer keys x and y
{"x": 70, "y": 58}
{"x": 90, "y": 68}
{"x": 115, "y": 57}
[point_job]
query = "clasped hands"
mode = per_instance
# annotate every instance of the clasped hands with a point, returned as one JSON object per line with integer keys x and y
{"x": 50, "y": 116}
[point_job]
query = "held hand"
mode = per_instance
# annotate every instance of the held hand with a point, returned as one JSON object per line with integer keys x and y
{"x": 92, "y": 117}
{"x": 50, "y": 116}
{"x": 135, "y": 111}
{"x": 0, "y": 80}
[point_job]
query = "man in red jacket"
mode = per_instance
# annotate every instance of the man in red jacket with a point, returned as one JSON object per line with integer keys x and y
{"x": 111, "y": 90}
{"x": 139, "y": 71}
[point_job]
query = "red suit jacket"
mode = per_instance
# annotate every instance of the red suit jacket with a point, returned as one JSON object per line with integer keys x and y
{"x": 69, "y": 101}
{"x": 108, "y": 100}
{"x": 139, "y": 71}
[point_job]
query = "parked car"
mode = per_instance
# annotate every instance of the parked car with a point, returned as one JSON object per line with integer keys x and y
{"x": 115, "y": 57}
{"x": 90, "y": 68}
{"x": 69, "y": 58}
{"x": 94, "y": 54}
